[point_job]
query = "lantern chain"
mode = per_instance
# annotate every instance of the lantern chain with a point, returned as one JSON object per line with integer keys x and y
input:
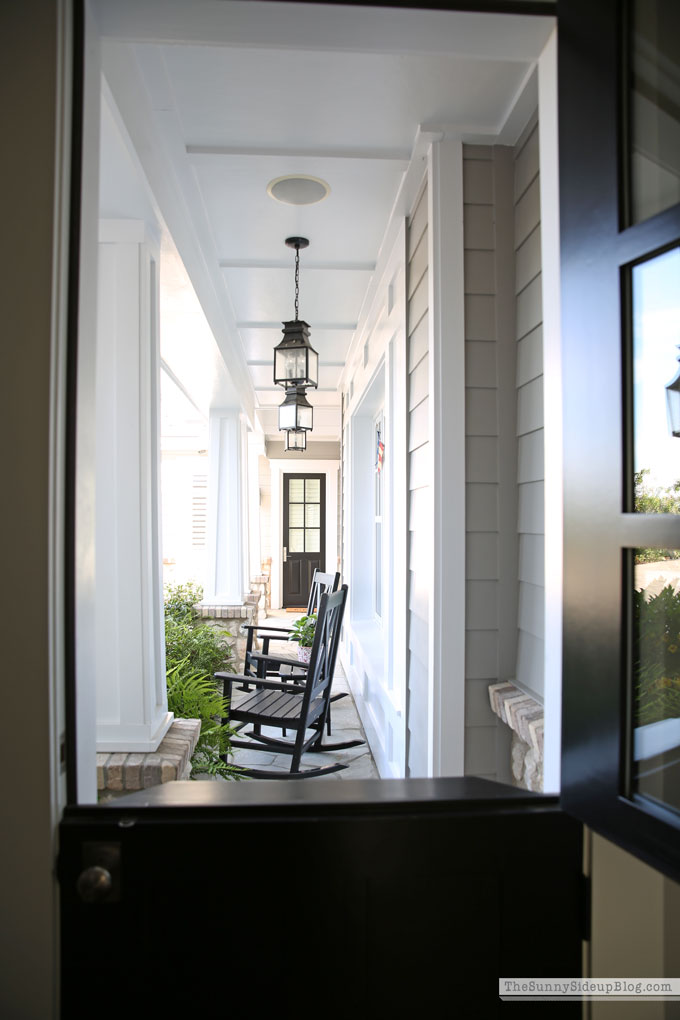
{"x": 297, "y": 281}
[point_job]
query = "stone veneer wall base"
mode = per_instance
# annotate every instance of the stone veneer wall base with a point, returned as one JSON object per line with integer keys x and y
{"x": 122, "y": 772}
{"x": 524, "y": 715}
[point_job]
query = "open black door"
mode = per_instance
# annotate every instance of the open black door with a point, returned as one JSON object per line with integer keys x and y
{"x": 619, "y": 63}
{"x": 362, "y": 899}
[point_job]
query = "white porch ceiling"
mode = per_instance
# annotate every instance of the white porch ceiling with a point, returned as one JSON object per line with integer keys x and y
{"x": 221, "y": 97}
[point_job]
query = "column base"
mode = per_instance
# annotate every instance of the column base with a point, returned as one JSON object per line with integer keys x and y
{"x": 122, "y": 772}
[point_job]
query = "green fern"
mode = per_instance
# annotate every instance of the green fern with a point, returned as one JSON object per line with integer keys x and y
{"x": 193, "y": 695}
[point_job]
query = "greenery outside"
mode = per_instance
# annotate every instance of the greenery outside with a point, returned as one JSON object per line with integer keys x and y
{"x": 659, "y": 500}
{"x": 302, "y": 631}
{"x": 194, "y": 652}
{"x": 657, "y": 656}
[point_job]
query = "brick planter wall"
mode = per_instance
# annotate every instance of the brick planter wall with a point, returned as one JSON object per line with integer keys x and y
{"x": 121, "y": 772}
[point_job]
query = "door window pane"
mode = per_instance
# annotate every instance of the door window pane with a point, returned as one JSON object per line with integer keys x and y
{"x": 312, "y": 540}
{"x": 296, "y": 515}
{"x": 313, "y": 515}
{"x": 296, "y": 540}
{"x": 654, "y": 94}
{"x": 656, "y": 678}
{"x": 296, "y": 490}
{"x": 313, "y": 490}
{"x": 656, "y": 392}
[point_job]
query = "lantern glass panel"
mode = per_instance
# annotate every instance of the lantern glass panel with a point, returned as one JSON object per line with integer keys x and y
{"x": 313, "y": 367}
{"x": 290, "y": 365}
{"x": 287, "y": 416}
{"x": 296, "y": 441}
{"x": 305, "y": 416}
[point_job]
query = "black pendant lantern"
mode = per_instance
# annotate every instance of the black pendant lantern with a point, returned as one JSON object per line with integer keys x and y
{"x": 296, "y": 440}
{"x": 296, "y": 412}
{"x": 673, "y": 403}
{"x": 296, "y": 363}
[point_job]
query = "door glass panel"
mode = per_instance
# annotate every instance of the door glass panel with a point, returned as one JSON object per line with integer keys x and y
{"x": 656, "y": 384}
{"x": 296, "y": 540}
{"x": 296, "y": 490}
{"x": 656, "y": 677}
{"x": 313, "y": 515}
{"x": 296, "y": 515}
{"x": 313, "y": 490}
{"x": 654, "y": 116}
{"x": 312, "y": 540}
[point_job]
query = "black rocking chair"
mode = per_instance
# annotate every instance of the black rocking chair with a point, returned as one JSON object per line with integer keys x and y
{"x": 320, "y": 583}
{"x": 287, "y": 706}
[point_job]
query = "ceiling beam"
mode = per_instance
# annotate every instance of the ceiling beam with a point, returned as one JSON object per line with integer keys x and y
{"x": 200, "y": 154}
{"x": 357, "y": 267}
{"x": 347, "y": 327}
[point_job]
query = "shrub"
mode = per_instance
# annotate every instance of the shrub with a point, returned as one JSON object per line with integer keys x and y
{"x": 196, "y": 696}
{"x": 193, "y": 653}
{"x": 659, "y": 500}
{"x": 202, "y": 649}
{"x": 657, "y": 656}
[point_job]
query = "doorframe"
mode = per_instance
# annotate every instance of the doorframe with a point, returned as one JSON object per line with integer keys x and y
{"x": 303, "y": 476}
{"x": 331, "y": 470}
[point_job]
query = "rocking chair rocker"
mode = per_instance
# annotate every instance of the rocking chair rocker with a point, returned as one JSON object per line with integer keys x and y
{"x": 287, "y": 706}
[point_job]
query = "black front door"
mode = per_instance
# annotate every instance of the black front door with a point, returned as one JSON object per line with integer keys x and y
{"x": 304, "y": 535}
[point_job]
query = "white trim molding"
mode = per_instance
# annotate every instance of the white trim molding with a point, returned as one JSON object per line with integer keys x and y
{"x": 446, "y": 716}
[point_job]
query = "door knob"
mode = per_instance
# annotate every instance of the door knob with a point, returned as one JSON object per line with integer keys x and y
{"x": 285, "y": 555}
{"x": 94, "y": 884}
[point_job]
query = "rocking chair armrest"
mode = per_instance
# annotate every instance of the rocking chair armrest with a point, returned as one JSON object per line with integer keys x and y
{"x": 271, "y": 685}
{"x": 263, "y": 626}
{"x": 282, "y": 660}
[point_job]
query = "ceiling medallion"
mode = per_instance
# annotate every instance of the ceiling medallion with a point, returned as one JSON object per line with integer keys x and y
{"x": 298, "y": 189}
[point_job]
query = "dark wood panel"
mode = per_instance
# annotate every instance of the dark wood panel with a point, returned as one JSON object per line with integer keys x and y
{"x": 371, "y": 899}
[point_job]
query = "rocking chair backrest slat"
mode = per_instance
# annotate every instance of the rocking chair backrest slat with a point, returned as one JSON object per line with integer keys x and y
{"x": 325, "y": 647}
{"x": 321, "y": 583}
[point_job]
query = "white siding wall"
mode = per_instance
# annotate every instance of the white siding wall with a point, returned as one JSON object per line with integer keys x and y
{"x": 530, "y": 474}
{"x": 491, "y": 449}
{"x": 419, "y": 508}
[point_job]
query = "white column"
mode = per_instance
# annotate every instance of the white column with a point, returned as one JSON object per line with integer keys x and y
{"x": 132, "y": 712}
{"x": 256, "y": 449}
{"x": 226, "y": 554}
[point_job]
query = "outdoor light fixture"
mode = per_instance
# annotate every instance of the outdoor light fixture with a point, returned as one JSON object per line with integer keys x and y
{"x": 296, "y": 363}
{"x": 296, "y": 412}
{"x": 673, "y": 402}
{"x": 296, "y": 440}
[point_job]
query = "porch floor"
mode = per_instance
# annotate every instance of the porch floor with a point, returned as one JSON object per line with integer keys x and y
{"x": 345, "y": 722}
